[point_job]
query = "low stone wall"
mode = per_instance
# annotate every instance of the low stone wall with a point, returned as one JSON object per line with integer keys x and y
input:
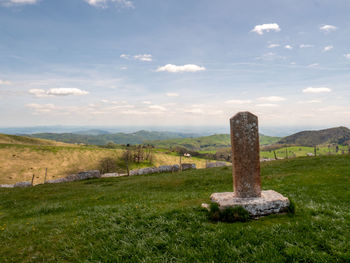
{"x": 77, "y": 177}
{"x": 96, "y": 174}
{"x": 216, "y": 164}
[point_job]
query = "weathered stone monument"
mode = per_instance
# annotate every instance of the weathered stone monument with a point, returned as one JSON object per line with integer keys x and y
{"x": 246, "y": 171}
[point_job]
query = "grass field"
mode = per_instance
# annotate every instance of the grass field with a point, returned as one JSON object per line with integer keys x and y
{"x": 18, "y": 162}
{"x": 298, "y": 151}
{"x": 157, "y": 218}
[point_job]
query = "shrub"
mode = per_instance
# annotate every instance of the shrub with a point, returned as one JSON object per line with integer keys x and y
{"x": 291, "y": 207}
{"x": 231, "y": 214}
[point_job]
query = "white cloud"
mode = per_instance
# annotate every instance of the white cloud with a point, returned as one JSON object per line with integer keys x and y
{"x": 272, "y": 99}
{"x": 157, "y": 107}
{"x": 316, "y": 90}
{"x": 66, "y": 91}
{"x": 305, "y": 46}
{"x": 41, "y": 108}
{"x": 170, "y": 94}
{"x": 19, "y": 2}
{"x": 288, "y": 47}
{"x": 144, "y": 57}
{"x": 105, "y": 3}
{"x": 328, "y": 28}
{"x": 147, "y": 102}
{"x": 259, "y": 29}
{"x": 125, "y": 56}
{"x": 314, "y": 65}
{"x": 185, "y": 68}
{"x": 273, "y": 45}
{"x": 5, "y": 82}
{"x": 240, "y": 102}
{"x": 267, "y": 105}
{"x": 347, "y": 56}
{"x": 194, "y": 111}
{"x": 270, "y": 56}
{"x": 327, "y": 48}
{"x": 38, "y": 92}
{"x": 57, "y": 92}
{"x": 311, "y": 101}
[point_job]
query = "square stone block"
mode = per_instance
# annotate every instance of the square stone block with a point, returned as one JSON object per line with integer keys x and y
{"x": 270, "y": 202}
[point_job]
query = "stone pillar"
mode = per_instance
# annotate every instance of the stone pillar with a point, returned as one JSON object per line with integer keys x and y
{"x": 245, "y": 155}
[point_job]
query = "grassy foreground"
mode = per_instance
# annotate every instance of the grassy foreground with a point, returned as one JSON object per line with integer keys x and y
{"x": 157, "y": 218}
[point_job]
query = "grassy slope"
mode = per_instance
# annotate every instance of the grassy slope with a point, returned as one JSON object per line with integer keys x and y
{"x": 138, "y": 137}
{"x": 157, "y": 218}
{"x": 19, "y": 162}
{"x": 22, "y": 140}
{"x": 208, "y": 143}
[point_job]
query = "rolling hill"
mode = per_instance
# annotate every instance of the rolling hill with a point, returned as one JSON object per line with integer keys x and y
{"x": 338, "y": 135}
{"x": 100, "y": 138}
{"x": 207, "y": 143}
{"x": 24, "y": 140}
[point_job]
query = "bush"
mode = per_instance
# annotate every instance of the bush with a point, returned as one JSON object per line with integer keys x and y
{"x": 291, "y": 207}
{"x": 231, "y": 214}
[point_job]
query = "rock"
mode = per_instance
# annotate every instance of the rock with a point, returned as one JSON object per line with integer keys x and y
{"x": 56, "y": 181}
{"x": 148, "y": 170}
{"x": 134, "y": 172}
{"x": 23, "y": 184}
{"x": 6, "y": 185}
{"x": 83, "y": 175}
{"x": 205, "y": 206}
{"x": 107, "y": 175}
{"x": 165, "y": 168}
{"x": 187, "y": 166}
{"x": 216, "y": 164}
{"x": 76, "y": 177}
{"x": 176, "y": 167}
{"x": 270, "y": 202}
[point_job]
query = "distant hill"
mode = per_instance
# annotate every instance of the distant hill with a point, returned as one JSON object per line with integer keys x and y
{"x": 92, "y": 132}
{"x": 208, "y": 143}
{"x": 24, "y": 140}
{"x": 339, "y": 135}
{"x": 117, "y": 138}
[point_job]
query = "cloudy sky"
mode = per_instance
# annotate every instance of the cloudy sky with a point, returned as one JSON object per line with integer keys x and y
{"x": 165, "y": 62}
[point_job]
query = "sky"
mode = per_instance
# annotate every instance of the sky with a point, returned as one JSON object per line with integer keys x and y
{"x": 174, "y": 63}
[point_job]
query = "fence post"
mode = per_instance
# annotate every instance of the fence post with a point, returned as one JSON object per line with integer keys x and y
{"x": 33, "y": 179}
{"x": 45, "y": 175}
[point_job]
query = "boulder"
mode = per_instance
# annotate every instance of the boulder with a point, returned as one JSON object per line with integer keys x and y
{"x": 188, "y": 166}
{"x": 56, "y": 181}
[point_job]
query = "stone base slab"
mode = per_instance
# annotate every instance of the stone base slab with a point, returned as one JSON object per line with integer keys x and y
{"x": 270, "y": 202}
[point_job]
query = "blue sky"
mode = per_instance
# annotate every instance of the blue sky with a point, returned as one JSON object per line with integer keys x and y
{"x": 182, "y": 63}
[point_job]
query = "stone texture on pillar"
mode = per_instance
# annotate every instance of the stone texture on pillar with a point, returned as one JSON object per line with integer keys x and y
{"x": 245, "y": 155}
{"x": 246, "y": 172}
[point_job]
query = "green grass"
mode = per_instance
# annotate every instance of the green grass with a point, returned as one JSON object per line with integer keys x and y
{"x": 157, "y": 218}
{"x": 298, "y": 151}
{"x": 208, "y": 144}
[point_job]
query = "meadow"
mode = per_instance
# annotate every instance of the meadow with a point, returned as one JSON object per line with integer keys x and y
{"x": 157, "y": 218}
{"x": 18, "y": 162}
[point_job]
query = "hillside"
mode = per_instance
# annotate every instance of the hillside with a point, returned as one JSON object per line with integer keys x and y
{"x": 101, "y": 138}
{"x": 339, "y": 135}
{"x": 25, "y": 140}
{"x": 207, "y": 143}
{"x": 19, "y": 161}
{"x": 157, "y": 218}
